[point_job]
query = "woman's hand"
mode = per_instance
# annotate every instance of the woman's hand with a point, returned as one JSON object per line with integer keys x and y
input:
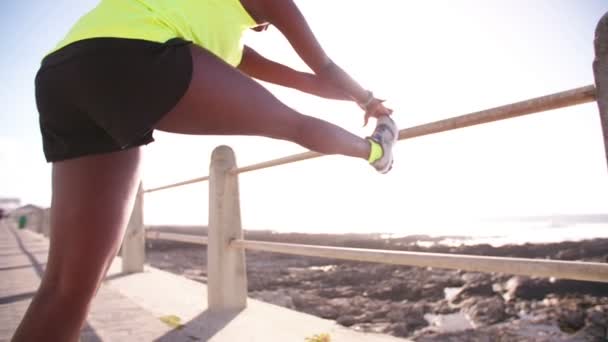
{"x": 323, "y": 87}
{"x": 374, "y": 108}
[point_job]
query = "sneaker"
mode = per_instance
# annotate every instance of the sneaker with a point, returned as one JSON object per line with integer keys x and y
{"x": 385, "y": 134}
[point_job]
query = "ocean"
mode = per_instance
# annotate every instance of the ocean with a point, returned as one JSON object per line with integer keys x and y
{"x": 498, "y": 232}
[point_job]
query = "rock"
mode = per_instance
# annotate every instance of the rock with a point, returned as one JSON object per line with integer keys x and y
{"x": 485, "y": 311}
{"x": 571, "y": 321}
{"x": 344, "y": 306}
{"x": 483, "y": 288}
{"x": 443, "y": 307}
{"x": 596, "y": 328}
{"x": 325, "y": 311}
{"x": 339, "y": 303}
{"x": 598, "y": 315}
{"x": 472, "y": 277}
{"x": 563, "y": 286}
{"x": 368, "y": 317}
{"x": 347, "y": 275}
{"x": 491, "y": 334}
{"x": 446, "y": 278}
{"x": 396, "y": 315}
{"x": 421, "y": 307}
{"x": 360, "y": 301}
{"x": 347, "y": 320}
{"x": 413, "y": 285}
{"x": 527, "y": 288}
{"x": 568, "y": 254}
{"x": 511, "y": 331}
{"x": 408, "y": 326}
{"x": 406, "y": 318}
{"x": 550, "y": 301}
{"x": 363, "y": 309}
{"x": 336, "y": 292}
{"x": 280, "y": 298}
{"x": 534, "y": 288}
{"x": 306, "y": 301}
{"x": 393, "y": 290}
{"x": 379, "y": 311}
{"x": 432, "y": 291}
{"x": 512, "y": 311}
{"x": 382, "y": 327}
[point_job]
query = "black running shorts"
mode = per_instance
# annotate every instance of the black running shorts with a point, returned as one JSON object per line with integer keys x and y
{"x": 104, "y": 95}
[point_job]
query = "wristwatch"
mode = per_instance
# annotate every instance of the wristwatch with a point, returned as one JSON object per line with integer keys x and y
{"x": 367, "y": 102}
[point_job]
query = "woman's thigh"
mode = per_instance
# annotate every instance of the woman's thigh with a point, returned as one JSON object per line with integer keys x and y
{"x": 221, "y": 100}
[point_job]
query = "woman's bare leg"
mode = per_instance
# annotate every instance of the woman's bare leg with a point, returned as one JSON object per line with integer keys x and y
{"x": 221, "y": 100}
{"x": 92, "y": 201}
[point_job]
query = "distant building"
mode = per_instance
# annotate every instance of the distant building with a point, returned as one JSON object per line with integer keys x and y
{"x": 7, "y": 205}
{"x": 30, "y": 215}
{"x": 26, "y": 210}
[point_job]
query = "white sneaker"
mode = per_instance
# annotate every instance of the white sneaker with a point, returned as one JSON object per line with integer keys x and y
{"x": 385, "y": 134}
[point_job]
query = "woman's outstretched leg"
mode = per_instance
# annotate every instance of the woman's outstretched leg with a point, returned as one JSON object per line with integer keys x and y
{"x": 221, "y": 100}
{"x": 92, "y": 200}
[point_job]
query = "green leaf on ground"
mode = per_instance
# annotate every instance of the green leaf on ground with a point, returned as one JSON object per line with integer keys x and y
{"x": 172, "y": 321}
{"x": 319, "y": 338}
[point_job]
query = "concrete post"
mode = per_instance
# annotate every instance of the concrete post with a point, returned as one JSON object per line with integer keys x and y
{"x": 227, "y": 277}
{"x": 39, "y": 221}
{"x": 45, "y": 226}
{"x": 600, "y": 70}
{"x": 134, "y": 242}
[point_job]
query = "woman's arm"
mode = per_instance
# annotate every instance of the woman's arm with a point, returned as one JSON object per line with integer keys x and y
{"x": 257, "y": 66}
{"x": 285, "y": 15}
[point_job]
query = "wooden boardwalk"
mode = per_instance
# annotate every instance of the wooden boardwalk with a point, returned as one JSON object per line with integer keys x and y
{"x": 113, "y": 316}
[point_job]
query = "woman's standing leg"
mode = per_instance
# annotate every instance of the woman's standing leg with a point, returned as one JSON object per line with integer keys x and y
{"x": 92, "y": 200}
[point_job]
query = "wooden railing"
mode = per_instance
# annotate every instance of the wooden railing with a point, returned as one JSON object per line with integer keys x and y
{"x": 227, "y": 283}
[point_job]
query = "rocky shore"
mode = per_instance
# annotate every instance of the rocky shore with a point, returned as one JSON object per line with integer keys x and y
{"x": 417, "y": 303}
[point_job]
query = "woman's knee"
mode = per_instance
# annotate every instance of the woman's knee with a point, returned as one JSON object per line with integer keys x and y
{"x": 69, "y": 291}
{"x": 300, "y": 129}
{"x": 76, "y": 280}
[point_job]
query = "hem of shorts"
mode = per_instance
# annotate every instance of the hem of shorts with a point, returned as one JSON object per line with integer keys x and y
{"x": 79, "y": 154}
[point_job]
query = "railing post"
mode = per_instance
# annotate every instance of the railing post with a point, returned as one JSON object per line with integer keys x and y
{"x": 45, "y": 225}
{"x": 600, "y": 71}
{"x": 39, "y": 221}
{"x": 227, "y": 278}
{"x": 134, "y": 242}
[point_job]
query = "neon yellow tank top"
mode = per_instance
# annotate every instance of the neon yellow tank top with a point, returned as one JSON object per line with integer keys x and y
{"x": 216, "y": 25}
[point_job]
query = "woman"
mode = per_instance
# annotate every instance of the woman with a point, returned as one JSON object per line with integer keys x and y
{"x": 132, "y": 66}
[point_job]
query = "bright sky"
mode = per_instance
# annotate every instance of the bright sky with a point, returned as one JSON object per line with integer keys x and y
{"x": 430, "y": 60}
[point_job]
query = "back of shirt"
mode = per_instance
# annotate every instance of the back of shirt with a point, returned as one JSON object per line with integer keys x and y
{"x": 216, "y": 25}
